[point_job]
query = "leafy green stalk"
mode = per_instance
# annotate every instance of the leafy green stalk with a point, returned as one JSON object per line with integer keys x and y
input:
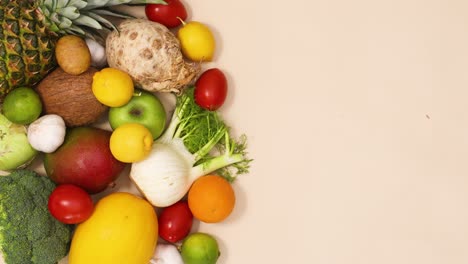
{"x": 230, "y": 163}
{"x": 83, "y": 17}
{"x": 202, "y": 132}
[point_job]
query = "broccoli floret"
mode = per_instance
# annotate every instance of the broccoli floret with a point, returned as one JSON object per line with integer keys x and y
{"x": 28, "y": 232}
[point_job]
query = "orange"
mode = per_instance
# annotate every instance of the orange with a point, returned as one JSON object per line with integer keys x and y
{"x": 211, "y": 199}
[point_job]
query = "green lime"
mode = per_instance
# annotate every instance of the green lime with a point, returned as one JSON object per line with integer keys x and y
{"x": 22, "y": 106}
{"x": 200, "y": 248}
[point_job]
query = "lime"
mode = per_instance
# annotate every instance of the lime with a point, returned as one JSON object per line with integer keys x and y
{"x": 200, "y": 248}
{"x": 22, "y": 106}
{"x": 131, "y": 142}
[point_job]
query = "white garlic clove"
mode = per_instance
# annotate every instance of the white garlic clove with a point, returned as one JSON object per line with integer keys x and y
{"x": 47, "y": 133}
{"x": 166, "y": 254}
{"x": 98, "y": 53}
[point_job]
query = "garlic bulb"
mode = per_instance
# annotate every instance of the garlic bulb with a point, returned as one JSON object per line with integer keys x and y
{"x": 47, "y": 133}
{"x": 98, "y": 53}
{"x": 166, "y": 254}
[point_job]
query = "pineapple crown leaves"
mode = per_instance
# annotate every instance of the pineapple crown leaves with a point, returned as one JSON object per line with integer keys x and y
{"x": 85, "y": 18}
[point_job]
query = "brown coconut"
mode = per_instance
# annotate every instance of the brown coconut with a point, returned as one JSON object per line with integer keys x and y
{"x": 71, "y": 97}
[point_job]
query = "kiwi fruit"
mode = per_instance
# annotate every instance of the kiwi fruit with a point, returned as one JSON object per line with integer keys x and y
{"x": 72, "y": 54}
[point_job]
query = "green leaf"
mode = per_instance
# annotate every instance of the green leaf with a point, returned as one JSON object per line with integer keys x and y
{"x": 112, "y": 13}
{"x": 70, "y": 12}
{"x": 45, "y": 11}
{"x": 61, "y": 4}
{"x": 104, "y": 22}
{"x": 139, "y": 2}
{"x": 87, "y": 21}
{"x": 93, "y": 4}
{"x": 65, "y": 23}
{"x": 74, "y": 30}
{"x": 96, "y": 35}
{"x": 117, "y": 2}
{"x": 134, "y": 2}
{"x": 50, "y": 4}
{"x": 55, "y": 18}
{"x": 80, "y": 4}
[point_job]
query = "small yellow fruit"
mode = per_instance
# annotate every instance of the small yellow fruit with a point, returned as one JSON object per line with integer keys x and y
{"x": 131, "y": 142}
{"x": 112, "y": 87}
{"x": 196, "y": 41}
{"x": 122, "y": 229}
{"x": 72, "y": 54}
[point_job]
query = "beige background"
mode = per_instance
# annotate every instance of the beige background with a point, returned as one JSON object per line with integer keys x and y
{"x": 357, "y": 118}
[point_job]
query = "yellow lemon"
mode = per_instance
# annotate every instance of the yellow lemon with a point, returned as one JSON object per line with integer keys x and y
{"x": 122, "y": 229}
{"x": 131, "y": 142}
{"x": 196, "y": 41}
{"x": 112, "y": 87}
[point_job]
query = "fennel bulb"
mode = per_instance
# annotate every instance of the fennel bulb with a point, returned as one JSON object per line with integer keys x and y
{"x": 196, "y": 143}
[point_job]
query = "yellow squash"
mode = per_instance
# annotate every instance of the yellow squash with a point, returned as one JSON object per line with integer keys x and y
{"x": 122, "y": 229}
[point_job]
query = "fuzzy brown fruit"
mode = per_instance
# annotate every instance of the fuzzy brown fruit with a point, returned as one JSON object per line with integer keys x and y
{"x": 72, "y": 54}
{"x": 71, "y": 97}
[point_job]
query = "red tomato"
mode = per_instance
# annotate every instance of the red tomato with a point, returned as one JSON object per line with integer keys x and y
{"x": 168, "y": 15}
{"x": 175, "y": 222}
{"x": 211, "y": 89}
{"x": 70, "y": 204}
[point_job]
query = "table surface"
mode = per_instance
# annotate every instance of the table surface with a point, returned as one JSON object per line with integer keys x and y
{"x": 357, "y": 119}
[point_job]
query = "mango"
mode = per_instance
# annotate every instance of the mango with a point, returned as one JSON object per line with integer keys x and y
{"x": 84, "y": 159}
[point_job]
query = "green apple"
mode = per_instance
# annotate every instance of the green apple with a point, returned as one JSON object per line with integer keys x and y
{"x": 143, "y": 108}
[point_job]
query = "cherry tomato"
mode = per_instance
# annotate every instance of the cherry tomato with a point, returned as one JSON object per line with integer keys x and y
{"x": 70, "y": 204}
{"x": 175, "y": 222}
{"x": 211, "y": 89}
{"x": 168, "y": 15}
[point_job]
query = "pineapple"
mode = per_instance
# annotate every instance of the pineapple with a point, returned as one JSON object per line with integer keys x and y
{"x": 30, "y": 29}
